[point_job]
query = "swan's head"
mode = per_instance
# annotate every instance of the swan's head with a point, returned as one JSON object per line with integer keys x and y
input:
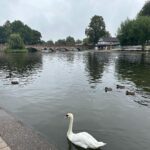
{"x": 69, "y": 115}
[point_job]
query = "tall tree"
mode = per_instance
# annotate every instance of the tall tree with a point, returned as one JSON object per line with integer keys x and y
{"x": 70, "y": 41}
{"x": 36, "y": 37}
{"x": 78, "y": 41}
{"x": 145, "y": 10}
{"x": 17, "y": 26}
{"x": 126, "y": 33}
{"x": 135, "y": 32}
{"x": 7, "y": 28}
{"x": 3, "y": 35}
{"x": 28, "y": 35}
{"x": 50, "y": 43}
{"x": 5, "y": 32}
{"x": 85, "y": 41}
{"x": 96, "y": 29}
{"x": 143, "y": 30}
{"x": 60, "y": 42}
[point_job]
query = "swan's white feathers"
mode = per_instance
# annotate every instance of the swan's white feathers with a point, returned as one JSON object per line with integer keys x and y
{"x": 82, "y": 139}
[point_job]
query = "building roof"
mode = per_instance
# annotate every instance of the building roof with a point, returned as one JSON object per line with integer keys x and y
{"x": 109, "y": 39}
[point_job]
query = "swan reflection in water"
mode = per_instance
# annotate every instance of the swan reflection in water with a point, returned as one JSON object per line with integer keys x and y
{"x": 71, "y": 146}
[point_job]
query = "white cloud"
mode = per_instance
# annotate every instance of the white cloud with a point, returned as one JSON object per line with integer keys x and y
{"x": 60, "y": 18}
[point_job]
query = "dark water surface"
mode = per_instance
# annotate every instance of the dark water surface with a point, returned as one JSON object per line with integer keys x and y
{"x": 53, "y": 84}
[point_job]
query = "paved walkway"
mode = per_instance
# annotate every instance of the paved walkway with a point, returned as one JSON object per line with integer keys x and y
{"x": 3, "y": 145}
{"x": 14, "y": 135}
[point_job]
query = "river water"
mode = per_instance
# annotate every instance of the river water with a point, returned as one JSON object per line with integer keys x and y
{"x": 50, "y": 85}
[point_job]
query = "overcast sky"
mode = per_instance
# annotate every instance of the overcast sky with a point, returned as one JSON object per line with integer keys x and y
{"x": 59, "y": 18}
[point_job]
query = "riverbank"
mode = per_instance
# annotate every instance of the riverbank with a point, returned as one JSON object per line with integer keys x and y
{"x": 16, "y": 50}
{"x": 49, "y": 49}
{"x": 18, "y": 136}
{"x": 3, "y": 145}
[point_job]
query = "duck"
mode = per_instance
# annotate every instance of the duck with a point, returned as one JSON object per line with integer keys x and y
{"x": 108, "y": 89}
{"x": 81, "y": 139}
{"x": 120, "y": 86}
{"x": 14, "y": 82}
{"x": 130, "y": 93}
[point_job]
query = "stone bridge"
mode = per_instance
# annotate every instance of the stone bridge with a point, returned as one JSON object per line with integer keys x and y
{"x": 57, "y": 48}
{"x": 51, "y": 48}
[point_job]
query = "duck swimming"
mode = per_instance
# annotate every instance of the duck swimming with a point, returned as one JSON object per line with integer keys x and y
{"x": 120, "y": 86}
{"x": 108, "y": 89}
{"x": 130, "y": 93}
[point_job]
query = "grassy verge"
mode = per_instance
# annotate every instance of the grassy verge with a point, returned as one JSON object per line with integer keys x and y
{"x": 16, "y": 50}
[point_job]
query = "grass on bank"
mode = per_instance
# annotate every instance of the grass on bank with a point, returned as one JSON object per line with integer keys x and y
{"x": 8, "y": 50}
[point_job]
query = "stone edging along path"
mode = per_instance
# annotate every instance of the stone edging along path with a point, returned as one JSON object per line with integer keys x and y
{"x": 14, "y": 135}
{"x": 3, "y": 145}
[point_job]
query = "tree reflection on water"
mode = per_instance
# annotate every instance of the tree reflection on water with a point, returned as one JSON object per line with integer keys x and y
{"x": 95, "y": 63}
{"x": 136, "y": 68}
{"x": 20, "y": 64}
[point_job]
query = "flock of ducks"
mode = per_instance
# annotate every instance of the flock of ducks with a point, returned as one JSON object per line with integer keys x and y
{"x": 107, "y": 89}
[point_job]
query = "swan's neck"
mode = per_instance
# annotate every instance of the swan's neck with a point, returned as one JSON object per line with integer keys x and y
{"x": 70, "y": 127}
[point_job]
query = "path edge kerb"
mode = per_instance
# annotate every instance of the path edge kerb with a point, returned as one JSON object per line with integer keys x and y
{"x": 20, "y": 136}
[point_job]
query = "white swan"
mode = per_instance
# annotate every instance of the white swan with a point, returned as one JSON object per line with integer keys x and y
{"x": 82, "y": 139}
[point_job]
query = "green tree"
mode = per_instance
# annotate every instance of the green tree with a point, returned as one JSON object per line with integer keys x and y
{"x": 15, "y": 42}
{"x": 7, "y": 28}
{"x": 96, "y": 29}
{"x": 36, "y": 37}
{"x": 126, "y": 33}
{"x": 60, "y": 42}
{"x": 143, "y": 30}
{"x": 50, "y": 43}
{"x": 86, "y": 41}
{"x": 28, "y": 35}
{"x": 5, "y": 31}
{"x": 107, "y": 34}
{"x": 70, "y": 41}
{"x": 3, "y": 36}
{"x": 78, "y": 41}
{"x": 7, "y": 24}
{"x": 145, "y": 10}
{"x": 42, "y": 42}
{"x": 135, "y": 32}
{"x": 17, "y": 27}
